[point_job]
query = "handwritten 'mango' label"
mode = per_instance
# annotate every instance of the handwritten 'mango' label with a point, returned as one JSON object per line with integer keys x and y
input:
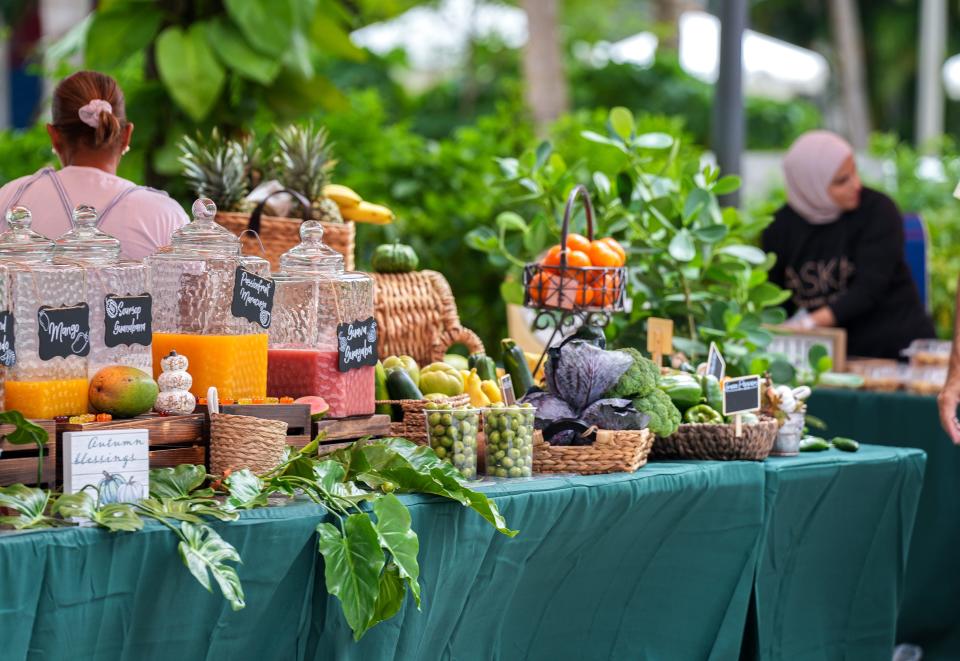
{"x": 128, "y": 320}
{"x": 357, "y": 344}
{"x": 64, "y": 331}
{"x": 252, "y": 297}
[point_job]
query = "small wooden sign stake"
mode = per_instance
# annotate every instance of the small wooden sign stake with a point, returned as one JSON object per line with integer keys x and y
{"x": 659, "y": 338}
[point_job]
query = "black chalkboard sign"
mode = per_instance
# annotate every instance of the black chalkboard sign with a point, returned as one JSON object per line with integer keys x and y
{"x": 128, "y": 320}
{"x": 716, "y": 365}
{"x": 741, "y": 395}
{"x": 8, "y": 350}
{"x": 64, "y": 331}
{"x": 357, "y": 344}
{"x": 252, "y": 297}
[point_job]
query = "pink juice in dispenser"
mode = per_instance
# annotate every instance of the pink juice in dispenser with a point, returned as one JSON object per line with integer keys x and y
{"x": 323, "y": 336}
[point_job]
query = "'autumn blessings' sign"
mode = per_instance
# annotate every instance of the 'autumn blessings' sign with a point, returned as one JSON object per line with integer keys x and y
{"x": 116, "y": 462}
{"x": 357, "y": 344}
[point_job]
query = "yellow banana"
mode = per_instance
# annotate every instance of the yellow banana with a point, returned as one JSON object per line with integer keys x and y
{"x": 346, "y": 198}
{"x": 365, "y": 212}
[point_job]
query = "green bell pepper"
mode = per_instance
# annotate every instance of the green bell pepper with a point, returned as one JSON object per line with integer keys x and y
{"x": 441, "y": 379}
{"x": 684, "y": 390}
{"x": 703, "y": 414}
{"x": 711, "y": 392}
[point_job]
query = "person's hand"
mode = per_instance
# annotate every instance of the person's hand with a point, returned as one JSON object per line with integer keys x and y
{"x": 824, "y": 317}
{"x": 947, "y": 402}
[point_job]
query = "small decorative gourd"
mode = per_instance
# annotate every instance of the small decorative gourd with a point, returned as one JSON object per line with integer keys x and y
{"x": 175, "y": 383}
{"x": 394, "y": 258}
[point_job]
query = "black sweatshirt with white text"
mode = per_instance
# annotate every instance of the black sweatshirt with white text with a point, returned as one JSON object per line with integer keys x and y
{"x": 855, "y": 265}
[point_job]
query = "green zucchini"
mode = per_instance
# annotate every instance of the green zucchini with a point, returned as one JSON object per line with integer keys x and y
{"x": 515, "y": 364}
{"x": 380, "y": 389}
{"x": 845, "y": 444}
{"x": 486, "y": 368}
{"x": 813, "y": 444}
{"x": 401, "y": 386}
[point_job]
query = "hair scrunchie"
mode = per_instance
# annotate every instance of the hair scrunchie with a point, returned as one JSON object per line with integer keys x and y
{"x": 90, "y": 113}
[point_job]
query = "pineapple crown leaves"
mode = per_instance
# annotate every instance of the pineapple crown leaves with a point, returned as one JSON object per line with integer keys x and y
{"x": 218, "y": 167}
{"x": 304, "y": 159}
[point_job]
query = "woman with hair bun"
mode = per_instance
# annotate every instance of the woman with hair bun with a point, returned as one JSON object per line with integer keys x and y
{"x": 90, "y": 134}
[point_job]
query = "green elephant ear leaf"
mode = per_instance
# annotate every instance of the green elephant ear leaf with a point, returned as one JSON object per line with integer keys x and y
{"x": 204, "y": 553}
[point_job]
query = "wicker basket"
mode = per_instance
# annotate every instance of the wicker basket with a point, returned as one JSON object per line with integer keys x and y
{"x": 718, "y": 442}
{"x": 279, "y": 234}
{"x": 417, "y": 316}
{"x": 242, "y": 441}
{"x": 414, "y": 424}
{"x": 611, "y": 452}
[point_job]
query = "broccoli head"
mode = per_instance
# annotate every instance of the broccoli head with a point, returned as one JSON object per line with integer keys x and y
{"x": 664, "y": 416}
{"x": 639, "y": 380}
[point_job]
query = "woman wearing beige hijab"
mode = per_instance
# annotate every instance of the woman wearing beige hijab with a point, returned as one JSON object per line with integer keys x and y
{"x": 839, "y": 248}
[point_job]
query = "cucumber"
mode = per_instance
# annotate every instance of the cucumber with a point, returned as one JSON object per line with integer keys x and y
{"x": 380, "y": 389}
{"x": 813, "y": 444}
{"x": 845, "y": 444}
{"x": 401, "y": 386}
{"x": 486, "y": 368}
{"x": 515, "y": 363}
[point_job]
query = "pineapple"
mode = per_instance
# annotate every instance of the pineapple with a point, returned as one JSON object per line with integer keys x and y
{"x": 216, "y": 168}
{"x": 305, "y": 161}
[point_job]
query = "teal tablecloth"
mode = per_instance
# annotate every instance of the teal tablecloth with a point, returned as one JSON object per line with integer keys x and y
{"x": 653, "y": 565}
{"x": 833, "y": 554}
{"x": 930, "y": 612}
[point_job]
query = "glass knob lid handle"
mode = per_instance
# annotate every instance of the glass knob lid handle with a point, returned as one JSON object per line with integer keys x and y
{"x": 311, "y": 232}
{"x": 19, "y": 217}
{"x": 85, "y": 215}
{"x": 204, "y": 209}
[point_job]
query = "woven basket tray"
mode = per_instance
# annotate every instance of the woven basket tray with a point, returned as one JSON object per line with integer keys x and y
{"x": 414, "y": 424}
{"x": 280, "y": 234}
{"x": 417, "y": 316}
{"x": 718, "y": 442}
{"x": 612, "y": 452}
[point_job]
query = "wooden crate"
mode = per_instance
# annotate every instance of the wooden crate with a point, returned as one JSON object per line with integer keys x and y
{"x": 297, "y": 417}
{"x": 174, "y": 439}
{"x": 18, "y": 463}
{"x": 341, "y": 432}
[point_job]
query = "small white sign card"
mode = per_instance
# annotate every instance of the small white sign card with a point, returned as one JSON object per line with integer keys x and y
{"x": 506, "y": 389}
{"x": 116, "y": 462}
{"x": 716, "y": 365}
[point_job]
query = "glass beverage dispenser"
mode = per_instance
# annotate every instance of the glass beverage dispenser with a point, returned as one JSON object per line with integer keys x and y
{"x": 50, "y": 325}
{"x": 323, "y": 340}
{"x": 117, "y": 293}
{"x": 193, "y": 315}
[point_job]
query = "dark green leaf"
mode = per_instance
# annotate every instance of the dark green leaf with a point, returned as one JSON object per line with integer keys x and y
{"x": 189, "y": 70}
{"x": 236, "y": 53}
{"x": 682, "y": 247}
{"x": 352, "y": 564}
{"x": 544, "y": 149}
{"x": 292, "y": 95}
{"x": 114, "y": 517}
{"x": 267, "y": 24}
{"x": 782, "y": 372}
{"x": 624, "y": 188}
{"x": 393, "y": 529}
{"x": 749, "y": 254}
{"x": 25, "y": 432}
{"x": 30, "y": 505}
{"x": 246, "y": 490}
{"x": 727, "y": 184}
{"x": 711, "y": 234}
{"x": 203, "y": 551}
{"x": 774, "y": 316}
{"x": 483, "y": 239}
{"x": 390, "y": 598}
{"x": 116, "y": 34}
{"x": 510, "y": 221}
{"x": 184, "y": 510}
{"x": 816, "y": 352}
{"x": 769, "y": 294}
{"x": 329, "y": 36}
{"x": 181, "y": 482}
{"x": 512, "y": 292}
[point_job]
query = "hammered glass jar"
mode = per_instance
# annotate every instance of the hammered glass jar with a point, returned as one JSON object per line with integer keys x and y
{"x": 314, "y": 296}
{"x": 107, "y": 277}
{"x": 35, "y": 387}
{"x": 194, "y": 284}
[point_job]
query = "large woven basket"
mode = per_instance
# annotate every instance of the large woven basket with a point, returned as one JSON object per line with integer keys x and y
{"x": 611, "y": 452}
{"x": 417, "y": 316}
{"x": 413, "y": 426}
{"x": 243, "y": 441}
{"x": 279, "y": 234}
{"x": 718, "y": 442}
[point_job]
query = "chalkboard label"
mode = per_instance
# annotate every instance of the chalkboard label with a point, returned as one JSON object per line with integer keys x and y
{"x": 357, "y": 344}
{"x": 128, "y": 320}
{"x": 252, "y": 297}
{"x": 741, "y": 395}
{"x": 716, "y": 365}
{"x": 8, "y": 351}
{"x": 64, "y": 332}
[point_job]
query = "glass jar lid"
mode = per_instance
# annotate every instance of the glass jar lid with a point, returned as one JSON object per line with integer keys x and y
{"x": 204, "y": 235}
{"x": 85, "y": 242}
{"x": 20, "y": 243}
{"x": 312, "y": 254}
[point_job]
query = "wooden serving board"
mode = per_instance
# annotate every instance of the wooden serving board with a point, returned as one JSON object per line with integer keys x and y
{"x": 18, "y": 463}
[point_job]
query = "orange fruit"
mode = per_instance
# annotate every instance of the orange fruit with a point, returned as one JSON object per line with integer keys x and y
{"x": 552, "y": 258}
{"x": 602, "y": 254}
{"x": 606, "y": 290}
{"x": 541, "y": 288}
{"x": 617, "y": 248}
{"x": 578, "y": 242}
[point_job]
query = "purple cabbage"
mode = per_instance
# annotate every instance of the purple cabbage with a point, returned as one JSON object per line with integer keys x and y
{"x": 615, "y": 414}
{"x": 549, "y": 407}
{"x": 579, "y": 373}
